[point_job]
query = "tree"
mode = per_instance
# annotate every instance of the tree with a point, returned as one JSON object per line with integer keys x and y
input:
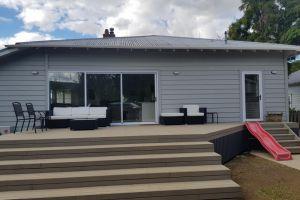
{"x": 268, "y": 21}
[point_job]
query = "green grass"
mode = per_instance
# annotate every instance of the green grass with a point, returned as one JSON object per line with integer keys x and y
{"x": 278, "y": 191}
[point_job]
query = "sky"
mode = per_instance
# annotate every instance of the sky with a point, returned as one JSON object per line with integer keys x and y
{"x": 31, "y": 20}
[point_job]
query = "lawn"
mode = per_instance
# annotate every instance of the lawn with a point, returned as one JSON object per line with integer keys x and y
{"x": 261, "y": 179}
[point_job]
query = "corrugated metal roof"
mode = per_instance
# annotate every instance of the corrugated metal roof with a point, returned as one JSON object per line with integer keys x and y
{"x": 6, "y": 52}
{"x": 158, "y": 42}
{"x": 294, "y": 78}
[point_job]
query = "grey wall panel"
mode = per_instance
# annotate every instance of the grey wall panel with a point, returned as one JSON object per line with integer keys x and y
{"x": 210, "y": 79}
{"x": 17, "y": 83}
{"x": 294, "y": 92}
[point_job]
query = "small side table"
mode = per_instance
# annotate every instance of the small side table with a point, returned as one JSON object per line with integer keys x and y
{"x": 213, "y": 116}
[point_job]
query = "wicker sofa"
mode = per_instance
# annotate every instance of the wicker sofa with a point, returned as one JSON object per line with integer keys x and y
{"x": 193, "y": 114}
{"x": 60, "y": 117}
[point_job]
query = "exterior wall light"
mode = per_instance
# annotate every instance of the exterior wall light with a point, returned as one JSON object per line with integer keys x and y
{"x": 35, "y": 73}
{"x": 175, "y": 73}
{"x": 273, "y": 72}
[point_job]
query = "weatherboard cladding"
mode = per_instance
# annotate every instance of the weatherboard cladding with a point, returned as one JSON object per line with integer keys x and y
{"x": 294, "y": 92}
{"x": 210, "y": 79}
{"x": 294, "y": 78}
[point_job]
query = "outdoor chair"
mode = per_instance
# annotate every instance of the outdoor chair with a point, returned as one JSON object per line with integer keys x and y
{"x": 19, "y": 115}
{"x": 193, "y": 114}
{"x": 35, "y": 116}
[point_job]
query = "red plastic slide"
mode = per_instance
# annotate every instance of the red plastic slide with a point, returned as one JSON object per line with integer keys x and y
{"x": 268, "y": 141}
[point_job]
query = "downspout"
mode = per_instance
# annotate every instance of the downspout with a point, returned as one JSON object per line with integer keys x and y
{"x": 46, "y": 62}
{"x": 286, "y": 86}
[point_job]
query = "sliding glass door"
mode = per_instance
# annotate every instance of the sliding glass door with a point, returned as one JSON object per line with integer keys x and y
{"x": 138, "y": 97}
{"x": 103, "y": 90}
{"x": 131, "y": 97}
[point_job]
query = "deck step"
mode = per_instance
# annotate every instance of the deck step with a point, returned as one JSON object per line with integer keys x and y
{"x": 108, "y": 162}
{"x": 294, "y": 149}
{"x": 63, "y": 142}
{"x": 284, "y": 136}
{"x": 277, "y": 130}
{"x": 272, "y": 125}
{"x": 112, "y": 177}
{"x": 215, "y": 189}
{"x": 104, "y": 150}
{"x": 289, "y": 143}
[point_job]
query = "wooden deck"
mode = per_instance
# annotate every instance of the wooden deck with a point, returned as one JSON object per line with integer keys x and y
{"x": 149, "y": 162}
{"x": 207, "y": 130}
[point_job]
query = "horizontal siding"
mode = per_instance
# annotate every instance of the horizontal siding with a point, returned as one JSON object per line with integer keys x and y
{"x": 294, "y": 92}
{"x": 18, "y": 84}
{"x": 210, "y": 79}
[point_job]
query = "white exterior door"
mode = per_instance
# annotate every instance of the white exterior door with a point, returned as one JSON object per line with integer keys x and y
{"x": 252, "y": 96}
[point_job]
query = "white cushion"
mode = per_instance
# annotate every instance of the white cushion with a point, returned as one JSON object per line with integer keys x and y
{"x": 172, "y": 114}
{"x": 62, "y": 111}
{"x": 54, "y": 117}
{"x": 96, "y": 116}
{"x": 80, "y": 117}
{"x": 200, "y": 114}
{"x": 80, "y": 111}
{"x": 191, "y": 108}
{"x": 98, "y": 111}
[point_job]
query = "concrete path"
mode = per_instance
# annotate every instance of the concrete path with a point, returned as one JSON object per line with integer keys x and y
{"x": 295, "y": 163}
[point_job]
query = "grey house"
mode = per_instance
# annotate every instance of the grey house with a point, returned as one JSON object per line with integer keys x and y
{"x": 141, "y": 77}
{"x": 294, "y": 90}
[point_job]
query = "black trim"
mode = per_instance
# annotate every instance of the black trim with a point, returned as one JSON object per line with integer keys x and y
{"x": 232, "y": 145}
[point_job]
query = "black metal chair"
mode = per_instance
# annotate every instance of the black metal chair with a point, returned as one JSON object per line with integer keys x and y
{"x": 19, "y": 115}
{"x": 35, "y": 115}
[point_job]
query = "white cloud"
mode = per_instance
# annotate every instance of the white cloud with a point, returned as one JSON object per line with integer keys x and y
{"x": 204, "y": 18}
{"x": 5, "y": 20}
{"x": 24, "y": 36}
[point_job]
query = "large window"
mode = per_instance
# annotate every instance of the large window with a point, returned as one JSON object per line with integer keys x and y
{"x": 130, "y": 97}
{"x": 66, "y": 89}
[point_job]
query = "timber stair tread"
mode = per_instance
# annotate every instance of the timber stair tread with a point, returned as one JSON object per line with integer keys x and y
{"x": 40, "y": 149}
{"x": 107, "y": 158}
{"x": 129, "y": 191}
{"x": 116, "y": 172}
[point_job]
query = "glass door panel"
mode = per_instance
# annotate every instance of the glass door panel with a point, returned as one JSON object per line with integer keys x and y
{"x": 138, "y": 97}
{"x": 104, "y": 90}
{"x": 252, "y": 96}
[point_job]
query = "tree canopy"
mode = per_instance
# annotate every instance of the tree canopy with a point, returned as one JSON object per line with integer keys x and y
{"x": 268, "y": 21}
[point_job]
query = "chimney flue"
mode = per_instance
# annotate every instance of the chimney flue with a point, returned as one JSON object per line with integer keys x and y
{"x": 106, "y": 33}
{"x": 109, "y": 33}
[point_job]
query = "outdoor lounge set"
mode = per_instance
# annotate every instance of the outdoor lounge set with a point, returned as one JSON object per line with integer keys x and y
{"x": 90, "y": 118}
{"x": 78, "y": 118}
{"x": 188, "y": 114}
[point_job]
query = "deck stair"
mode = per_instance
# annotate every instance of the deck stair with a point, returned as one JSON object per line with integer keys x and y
{"x": 111, "y": 169}
{"x": 284, "y": 136}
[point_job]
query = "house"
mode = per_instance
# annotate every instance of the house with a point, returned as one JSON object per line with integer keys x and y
{"x": 143, "y": 76}
{"x": 294, "y": 90}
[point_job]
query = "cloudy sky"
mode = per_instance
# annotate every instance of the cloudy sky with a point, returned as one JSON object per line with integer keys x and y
{"x": 27, "y": 20}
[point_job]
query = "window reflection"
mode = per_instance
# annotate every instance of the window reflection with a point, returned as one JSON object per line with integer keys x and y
{"x": 66, "y": 89}
{"x": 104, "y": 90}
